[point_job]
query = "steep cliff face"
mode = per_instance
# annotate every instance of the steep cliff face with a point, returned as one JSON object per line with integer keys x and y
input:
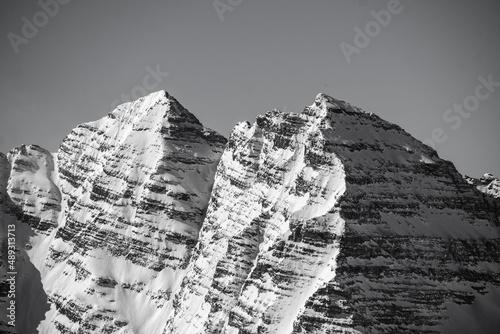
{"x": 327, "y": 221}
{"x": 271, "y": 235}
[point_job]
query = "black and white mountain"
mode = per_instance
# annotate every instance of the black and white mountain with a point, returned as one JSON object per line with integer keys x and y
{"x": 332, "y": 220}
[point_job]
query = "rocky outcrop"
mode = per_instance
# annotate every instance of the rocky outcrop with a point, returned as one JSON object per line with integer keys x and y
{"x": 327, "y": 221}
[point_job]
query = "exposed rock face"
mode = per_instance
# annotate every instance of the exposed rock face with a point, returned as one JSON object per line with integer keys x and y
{"x": 328, "y": 221}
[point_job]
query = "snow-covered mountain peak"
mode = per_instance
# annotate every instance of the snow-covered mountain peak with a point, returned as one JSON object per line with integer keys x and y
{"x": 26, "y": 149}
{"x": 324, "y": 99}
{"x": 489, "y": 177}
{"x": 324, "y": 103}
{"x": 158, "y": 109}
{"x": 488, "y": 184}
{"x": 326, "y": 221}
{"x": 116, "y": 213}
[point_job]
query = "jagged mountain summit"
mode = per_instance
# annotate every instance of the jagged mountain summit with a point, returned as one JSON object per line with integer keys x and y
{"x": 327, "y": 221}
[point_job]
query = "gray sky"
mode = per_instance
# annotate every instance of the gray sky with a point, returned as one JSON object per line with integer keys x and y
{"x": 255, "y": 56}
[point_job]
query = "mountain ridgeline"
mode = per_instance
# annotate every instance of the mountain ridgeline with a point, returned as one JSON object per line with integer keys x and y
{"x": 332, "y": 220}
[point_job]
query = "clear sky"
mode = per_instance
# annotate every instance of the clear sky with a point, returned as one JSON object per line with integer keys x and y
{"x": 250, "y": 56}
